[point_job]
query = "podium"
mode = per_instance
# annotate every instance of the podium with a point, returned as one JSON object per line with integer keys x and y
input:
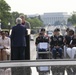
{"x": 27, "y": 52}
{"x": 27, "y": 48}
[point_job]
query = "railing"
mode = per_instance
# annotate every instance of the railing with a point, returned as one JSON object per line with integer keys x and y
{"x": 34, "y": 63}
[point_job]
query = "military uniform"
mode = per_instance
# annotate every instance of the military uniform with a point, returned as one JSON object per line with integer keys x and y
{"x": 42, "y": 39}
{"x": 57, "y": 45}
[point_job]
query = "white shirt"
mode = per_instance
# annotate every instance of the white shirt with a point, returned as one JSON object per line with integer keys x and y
{"x": 5, "y": 43}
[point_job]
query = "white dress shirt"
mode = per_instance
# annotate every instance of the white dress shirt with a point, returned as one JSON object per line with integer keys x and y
{"x": 5, "y": 43}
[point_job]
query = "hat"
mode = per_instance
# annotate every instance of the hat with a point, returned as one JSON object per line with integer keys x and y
{"x": 57, "y": 30}
{"x": 67, "y": 29}
{"x": 71, "y": 31}
{"x": 42, "y": 29}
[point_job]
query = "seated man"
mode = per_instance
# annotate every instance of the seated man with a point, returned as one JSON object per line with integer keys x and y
{"x": 4, "y": 46}
{"x": 41, "y": 39}
{"x": 57, "y": 43}
{"x": 70, "y": 42}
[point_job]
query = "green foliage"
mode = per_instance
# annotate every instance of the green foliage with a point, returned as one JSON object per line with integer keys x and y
{"x": 7, "y": 17}
{"x": 4, "y": 7}
{"x": 35, "y": 22}
{"x": 4, "y": 13}
{"x": 72, "y": 19}
{"x": 13, "y": 18}
{"x": 39, "y": 17}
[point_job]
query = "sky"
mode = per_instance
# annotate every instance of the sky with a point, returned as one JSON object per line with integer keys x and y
{"x": 42, "y": 6}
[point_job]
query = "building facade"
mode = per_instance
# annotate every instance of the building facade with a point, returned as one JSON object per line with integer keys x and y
{"x": 55, "y": 18}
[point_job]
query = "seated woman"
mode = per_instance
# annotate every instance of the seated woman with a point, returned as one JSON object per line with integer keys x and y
{"x": 70, "y": 42}
{"x": 4, "y": 46}
{"x": 7, "y": 33}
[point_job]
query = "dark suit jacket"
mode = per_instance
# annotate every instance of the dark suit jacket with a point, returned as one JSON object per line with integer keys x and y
{"x": 18, "y": 38}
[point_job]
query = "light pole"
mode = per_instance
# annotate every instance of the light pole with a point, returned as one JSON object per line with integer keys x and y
{"x": 9, "y": 26}
{"x": 0, "y": 25}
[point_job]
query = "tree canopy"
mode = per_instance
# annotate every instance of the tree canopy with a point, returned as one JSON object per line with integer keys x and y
{"x": 4, "y": 13}
{"x": 35, "y": 22}
{"x": 6, "y": 16}
{"x": 72, "y": 19}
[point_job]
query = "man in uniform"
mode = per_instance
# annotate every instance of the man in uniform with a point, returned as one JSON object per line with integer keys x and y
{"x": 57, "y": 43}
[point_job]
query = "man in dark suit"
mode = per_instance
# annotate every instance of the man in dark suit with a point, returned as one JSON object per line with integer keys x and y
{"x": 18, "y": 41}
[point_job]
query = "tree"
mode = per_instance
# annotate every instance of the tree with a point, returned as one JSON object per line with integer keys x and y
{"x": 14, "y": 15}
{"x": 39, "y": 17}
{"x": 4, "y": 13}
{"x": 72, "y": 19}
{"x": 35, "y": 22}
